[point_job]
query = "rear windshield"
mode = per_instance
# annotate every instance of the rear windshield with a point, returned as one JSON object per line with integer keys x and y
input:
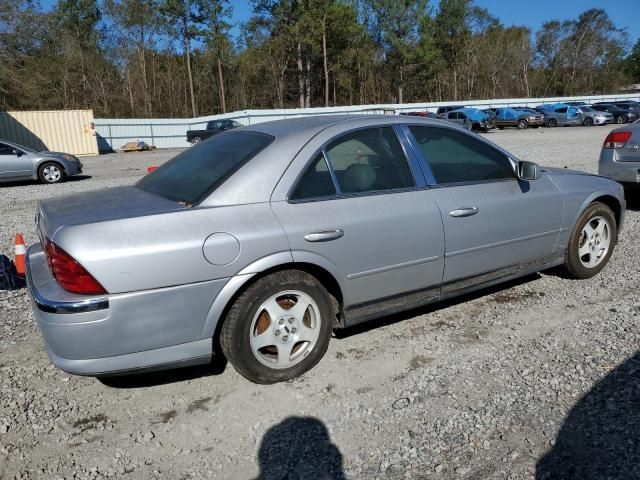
{"x": 192, "y": 175}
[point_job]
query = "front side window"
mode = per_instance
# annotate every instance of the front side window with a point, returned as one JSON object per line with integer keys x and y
{"x": 369, "y": 160}
{"x": 192, "y": 175}
{"x": 456, "y": 157}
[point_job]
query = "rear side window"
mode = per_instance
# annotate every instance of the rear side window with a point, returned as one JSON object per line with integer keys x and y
{"x": 369, "y": 160}
{"x": 456, "y": 157}
{"x": 316, "y": 181}
{"x": 192, "y": 175}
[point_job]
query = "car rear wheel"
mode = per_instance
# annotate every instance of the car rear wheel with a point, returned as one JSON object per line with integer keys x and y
{"x": 552, "y": 123}
{"x": 51, "y": 172}
{"x": 278, "y": 328}
{"x": 592, "y": 241}
{"x": 588, "y": 122}
{"x": 195, "y": 140}
{"x": 522, "y": 124}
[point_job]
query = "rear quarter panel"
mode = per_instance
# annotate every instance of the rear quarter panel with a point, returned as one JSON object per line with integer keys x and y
{"x": 168, "y": 249}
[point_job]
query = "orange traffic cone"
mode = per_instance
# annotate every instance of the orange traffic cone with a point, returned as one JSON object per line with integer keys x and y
{"x": 151, "y": 168}
{"x": 21, "y": 254}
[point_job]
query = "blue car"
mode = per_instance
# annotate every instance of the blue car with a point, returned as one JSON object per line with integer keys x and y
{"x": 471, "y": 118}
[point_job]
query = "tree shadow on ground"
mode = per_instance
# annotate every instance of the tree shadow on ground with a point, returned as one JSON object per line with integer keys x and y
{"x": 600, "y": 438}
{"x": 20, "y": 183}
{"x": 299, "y": 448}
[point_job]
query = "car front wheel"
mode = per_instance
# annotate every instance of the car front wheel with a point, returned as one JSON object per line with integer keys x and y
{"x": 51, "y": 172}
{"x": 195, "y": 140}
{"x": 522, "y": 124}
{"x": 621, "y": 119}
{"x": 278, "y": 328}
{"x": 588, "y": 122}
{"x": 592, "y": 241}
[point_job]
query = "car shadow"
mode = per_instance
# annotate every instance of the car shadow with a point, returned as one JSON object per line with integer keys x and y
{"x": 21, "y": 183}
{"x": 600, "y": 437}
{"x": 299, "y": 448}
{"x": 165, "y": 377}
{"x": 434, "y": 307}
{"x": 633, "y": 200}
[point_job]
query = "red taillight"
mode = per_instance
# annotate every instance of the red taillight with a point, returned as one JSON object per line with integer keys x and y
{"x": 70, "y": 274}
{"x": 616, "y": 139}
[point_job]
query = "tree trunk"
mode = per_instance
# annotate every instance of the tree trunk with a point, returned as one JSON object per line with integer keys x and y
{"x": 324, "y": 61}
{"x": 188, "y": 55}
{"x": 455, "y": 84}
{"x": 223, "y": 102}
{"x": 301, "y": 98}
{"x": 307, "y": 85}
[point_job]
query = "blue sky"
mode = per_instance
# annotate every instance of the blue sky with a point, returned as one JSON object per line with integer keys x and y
{"x": 531, "y": 13}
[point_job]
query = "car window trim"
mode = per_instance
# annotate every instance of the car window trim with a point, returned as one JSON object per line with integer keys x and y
{"x": 431, "y": 178}
{"x": 416, "y": 172}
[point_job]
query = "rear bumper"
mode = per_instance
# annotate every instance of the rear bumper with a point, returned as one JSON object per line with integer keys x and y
{"x": 94, "y": 335}
{"x": 624, "y": 172}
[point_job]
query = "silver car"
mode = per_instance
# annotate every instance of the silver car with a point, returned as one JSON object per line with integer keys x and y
{"x": 264, "y": 239}
{"x": 620, "y": 155}
{"x": 18, "y": 162}
{"x": 572, "y": 115}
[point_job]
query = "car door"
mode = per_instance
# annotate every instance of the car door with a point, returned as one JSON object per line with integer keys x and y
{"x": 573, "y": 116}
{"x": 358, "y": 205}
{"x": 14, "y": 165}
{"x": 560, "y": 115}
{"x": 494, "y": 224}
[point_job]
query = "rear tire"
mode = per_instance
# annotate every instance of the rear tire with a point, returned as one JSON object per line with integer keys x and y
{"x": 51, "y": 172}
{"x": 269, "y": 336}
{"x": 592, "y": 242}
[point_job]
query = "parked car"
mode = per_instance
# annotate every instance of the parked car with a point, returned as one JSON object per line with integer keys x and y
{"x": 471, "y": 119}
{"x": 561, "y": 115}
{"x": 575, "y": 103}
{"x": 269, "y": 237}
{"x": 424, "y": 114}
{"x": 509, "y": 117}
{"x": 620, "y": 115}
{"x": 628, "y": 105}
{"x": 442, "y": 111}
{"x": 620, "y": 155}
{"x": 213, "y": 127}
{"x": 18, "y": 162}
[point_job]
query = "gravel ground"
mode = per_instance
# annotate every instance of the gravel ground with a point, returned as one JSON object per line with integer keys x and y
{"x": 537, "y": 378}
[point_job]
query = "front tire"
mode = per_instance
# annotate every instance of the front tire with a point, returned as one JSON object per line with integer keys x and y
{"x": 588, "y": 122}
{"x": 51, "y": 172}
{"x": 552, "y": 123}
{"x": 592, "y": 241}
{"x": 278, "y": 328}
{"x": 522, "y": 124}
{"x": 195, "y": 141}
{"x": 620, "y": 119}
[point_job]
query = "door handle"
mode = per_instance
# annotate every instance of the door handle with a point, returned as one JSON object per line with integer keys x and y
{"x": 464, "y": 211}
{"x": 324, "y": 235}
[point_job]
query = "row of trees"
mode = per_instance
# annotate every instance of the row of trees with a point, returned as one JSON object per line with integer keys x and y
{"x": 175, "y": 58}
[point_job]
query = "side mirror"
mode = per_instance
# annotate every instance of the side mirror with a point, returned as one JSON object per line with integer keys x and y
{"x": 17, "y": 152}
{"x": 528, "y": 171}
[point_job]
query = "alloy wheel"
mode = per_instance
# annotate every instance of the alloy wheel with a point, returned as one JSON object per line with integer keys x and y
{"x": 51, "y": 173}
{"x": 285, "y": 329}
{"x": 595, "y": 241}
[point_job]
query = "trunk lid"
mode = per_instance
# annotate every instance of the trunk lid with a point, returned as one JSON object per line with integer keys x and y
{"x": 98, "y": 206}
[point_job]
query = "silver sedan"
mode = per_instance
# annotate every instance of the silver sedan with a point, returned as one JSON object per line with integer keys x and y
{"x": 18, "y": 162}
{"x": 264, "y": 239}
{"x": 620, "y": 155}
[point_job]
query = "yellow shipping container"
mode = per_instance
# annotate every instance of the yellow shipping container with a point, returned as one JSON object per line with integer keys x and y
{"x": 68, "y": 131}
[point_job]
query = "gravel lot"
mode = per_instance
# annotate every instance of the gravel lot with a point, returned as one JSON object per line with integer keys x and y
{"x": 534, "y": 379}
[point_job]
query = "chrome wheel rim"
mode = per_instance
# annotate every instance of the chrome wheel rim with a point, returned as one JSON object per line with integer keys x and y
{"x": 620, "y": 119}
{"x": 195, "y": 141}
{"x": 285, "y": 329}
{"x": 51, "y": 173}
{"x": 594, "y": 242}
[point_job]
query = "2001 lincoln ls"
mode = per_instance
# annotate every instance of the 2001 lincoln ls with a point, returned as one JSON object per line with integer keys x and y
{"x": 268, "y": 237}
